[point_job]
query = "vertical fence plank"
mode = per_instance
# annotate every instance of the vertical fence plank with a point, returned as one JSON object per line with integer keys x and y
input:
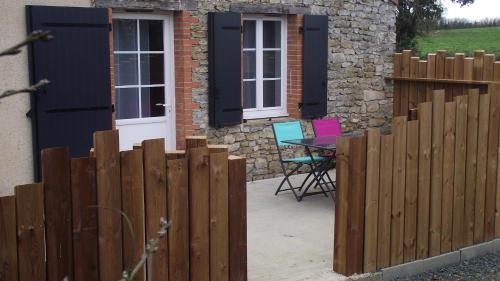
{"x": 356, "y": 197}
{"x": 341, "y": 206}
{"x": 199, "y": 197}
{"x": 440, "y": 63}
{"x": 372, "y": 194}
{"x": 413, "y": 94}
{"x": 449, "y": 70}
{"x": 448, "y": 176}
{"x": 155, "y": 194}
{"x": 471, "y": 165}
{"x": 488, "y": 67}
{"x": 468, "y": 70}
{"x": 219, "y": 228}
{"x": 458, "y": 74}
{"x": 482, "y": 163}
{"x": 422, "y": 73}
{"x": 497, "y": 207}
{"x": 396, "y": 111}
{"x": 405, "y": 85}
{"x": 424, "y": 178}
{"x": 398, "y": 190}
{"x": 491, "y": 169}
{"x": 460, "y": 168}
{"x": 108, "y": 196}
{"x": 84, "y": 200}
{"x": 8, "y": 241}
{"x": 178, "y": 214}
{"x": 411, "y": 191}
{"x": 30, "y": 232}
{"x": 477, "y": 72}
{"x": 237, "y": 219}
{"x": 496, "y": 71}
{"x": 436, "y": 173}
{"x": 133, "y": 206}
{"x": 431, "y": 74}
{"x": 57, "y": 194}
{"x": 385, "y": 200}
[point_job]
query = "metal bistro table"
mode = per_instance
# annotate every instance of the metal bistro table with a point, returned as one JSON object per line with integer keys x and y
{"x": 320, "y": 167}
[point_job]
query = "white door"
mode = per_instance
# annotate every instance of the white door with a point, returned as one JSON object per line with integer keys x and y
{"x": 143, "y": 61}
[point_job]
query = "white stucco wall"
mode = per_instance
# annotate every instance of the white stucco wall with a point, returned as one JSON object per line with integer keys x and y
{"x": 16, "y": 156}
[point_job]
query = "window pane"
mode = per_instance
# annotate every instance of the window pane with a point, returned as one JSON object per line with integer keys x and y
{"x": 125, "y": 35}
{"x": 127, "y": 103}
{"x": 249, "y": 64}
{"x": 126, "y": 69}
{"x": 152, "y": 102}
{"x": 272, "y": 64}
{"x": 272, "y": 93}
{"x": 249, "y": 98}
{"x": 249, "y": 34}
{"x": 151, "y": 34}
{"x": 152, "y": 69}
{"x": 272, "y": 34}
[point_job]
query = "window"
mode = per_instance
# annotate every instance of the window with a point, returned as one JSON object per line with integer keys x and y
{"x": 140, "y": 72}
{"x": 264, "y": 66}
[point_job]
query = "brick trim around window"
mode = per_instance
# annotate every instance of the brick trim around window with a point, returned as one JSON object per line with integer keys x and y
{"x": 294, "y": 64}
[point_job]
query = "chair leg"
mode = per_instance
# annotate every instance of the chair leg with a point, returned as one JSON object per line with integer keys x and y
{"x": 286, "y": 179}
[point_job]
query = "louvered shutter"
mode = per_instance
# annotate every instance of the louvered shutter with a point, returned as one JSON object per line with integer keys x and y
{"x": 224, "y": 54}
{"x": 315, "y": 67}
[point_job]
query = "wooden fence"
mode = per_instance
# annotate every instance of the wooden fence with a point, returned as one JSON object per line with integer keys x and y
{"x": 51, "y": 230}
{"x": 416, "y": 79}
{"x": 430, "y": 187}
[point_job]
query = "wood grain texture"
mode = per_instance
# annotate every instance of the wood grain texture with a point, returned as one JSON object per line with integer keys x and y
{"x": 422, "y": 73}
{"x": 482, "y": 163}
{"x": 449, "y": 70}
{"x": 199, "y": 206}
{"x": 356, "y": 218}
{"x": 458, "y": 73}
{"x": 468, "y": 68}
{"x": 496, "y": 71}
{"x": 8, "y": 240}
{"x": 398, "y": 190}
{"x": 30, "y": 232}
{"x": 436, "y": 173}
{"x": 491, "y": 168}
{"x": 132, "y": 179}
{"x": 219, "y": 216}
{"x": 371, "y": 205}
{"x": 477, "y": 72}
{"x": 85, "y": 236}
{"x": 57, "y": 194}
{"x": 431, "y": 74}
{"x": 413, "y": 93}
{"x": 488, "y": 67}
{"x": 405, "y": 86}
{"x": 341, "y": 206}
{"x": 178, "y": 214}
{"x": 440, "y": 63}
{"x": 424, "y": 178}
{"x": 397, "y": 84}
{"x": 109, "y": 197}
{"x": 385, "y": 200}
{"x": 155, "y": 194}
{"x": 448, "y": 176}
{"x": 237, "y": 219}
{"x": 471, "y": 164}
{"x": 411, "y": 192}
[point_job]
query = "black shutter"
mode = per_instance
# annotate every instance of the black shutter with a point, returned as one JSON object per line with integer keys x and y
{"x": 315, "y": 66}
{"x": 77, "y": 102}
{"x": 224, "y": 60}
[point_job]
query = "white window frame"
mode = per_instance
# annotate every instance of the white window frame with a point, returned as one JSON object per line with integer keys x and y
{"x": 168, "y": 72}
{"x": 260, "y": 111}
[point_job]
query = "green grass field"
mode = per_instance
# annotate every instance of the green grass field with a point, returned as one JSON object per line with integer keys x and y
{"x": 461, "y": 41}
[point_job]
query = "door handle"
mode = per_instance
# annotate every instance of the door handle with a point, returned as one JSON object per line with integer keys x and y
{"x": 168, "y": 108}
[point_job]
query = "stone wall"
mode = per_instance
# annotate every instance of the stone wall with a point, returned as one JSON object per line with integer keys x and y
{"x": 361, "y": 44}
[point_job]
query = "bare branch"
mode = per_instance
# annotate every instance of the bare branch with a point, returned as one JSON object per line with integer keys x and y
{"x": 31, "y": 89}
{"x": 37, "y": 35}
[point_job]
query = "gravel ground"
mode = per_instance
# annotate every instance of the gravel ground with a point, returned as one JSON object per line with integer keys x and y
{"x": 485, "y": 268}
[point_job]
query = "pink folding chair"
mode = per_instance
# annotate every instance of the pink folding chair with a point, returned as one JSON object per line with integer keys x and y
{"x": 327, "y": 127}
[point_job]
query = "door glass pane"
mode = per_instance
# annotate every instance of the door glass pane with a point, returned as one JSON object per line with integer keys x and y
{"x": 151, "y": 34}
{"x": 272, "y": 34}
{"x": 272, "y": 93}
{"x": 127, "y": 103}
{"x": 249, "y": 34}
{"x": 249, "y": 98}
{"x": 272, "y": 64}
{"x": 124, "y": 35}
{"x": 153, "y": 101}
{"x": 249, "y": 64}
{"x": 126, "y": 69}
{"x": 152, "y": 69}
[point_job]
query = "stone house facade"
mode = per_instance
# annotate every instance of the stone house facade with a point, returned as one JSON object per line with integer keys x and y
{"x": 360, "y": 44}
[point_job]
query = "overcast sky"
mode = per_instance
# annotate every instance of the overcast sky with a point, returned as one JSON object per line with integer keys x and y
{"x": 479, "y": 10}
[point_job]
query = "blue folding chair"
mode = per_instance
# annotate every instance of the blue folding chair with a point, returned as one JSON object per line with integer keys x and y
{"x": 291, "y": 131}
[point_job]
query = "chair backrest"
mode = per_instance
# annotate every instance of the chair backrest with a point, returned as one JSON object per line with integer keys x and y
{"x": 287, "y": 131}
{"x": 327, "y": 127}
